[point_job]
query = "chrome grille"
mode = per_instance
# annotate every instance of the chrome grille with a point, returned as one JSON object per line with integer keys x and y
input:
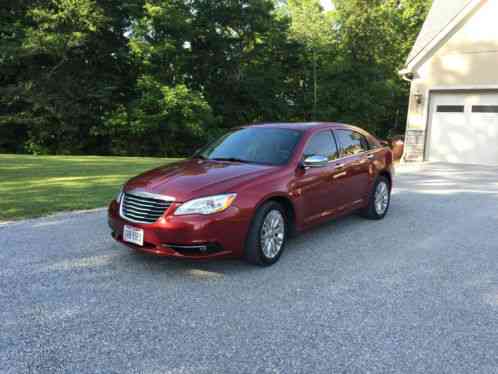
{"x": 143, "y": 209}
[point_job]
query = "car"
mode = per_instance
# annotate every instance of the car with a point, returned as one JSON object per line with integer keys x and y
{"x": 247, "y": 193}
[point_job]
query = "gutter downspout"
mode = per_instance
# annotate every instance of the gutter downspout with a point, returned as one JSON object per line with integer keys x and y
{"x": 408, "y": 76}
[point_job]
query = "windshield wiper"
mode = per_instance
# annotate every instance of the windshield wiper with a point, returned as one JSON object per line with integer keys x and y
{"x": 231, "y": 159}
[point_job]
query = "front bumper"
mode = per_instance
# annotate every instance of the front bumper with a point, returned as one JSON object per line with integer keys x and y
{"x": 190, "y": 237}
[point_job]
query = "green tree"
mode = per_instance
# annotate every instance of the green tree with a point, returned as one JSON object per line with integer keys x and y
{"x": 374, "y": 38}
{"x": 313, "y": 28}
{"x": 14, "y": 119}
{"x": 160, "y": 121}
{"x": 235, "y": 52}
{"x": 162, "y": 76}
{"x": 241, "y": 55}
{"x": 66, "y": 67}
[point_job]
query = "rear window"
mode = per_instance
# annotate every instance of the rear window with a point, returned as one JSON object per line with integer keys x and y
{"x": 322, "y": 144}
{"x": 351, "y": 142}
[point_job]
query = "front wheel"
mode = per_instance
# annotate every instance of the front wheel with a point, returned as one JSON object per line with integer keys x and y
{"x": 379, "y": 200}
{"x": 267, "y": 236}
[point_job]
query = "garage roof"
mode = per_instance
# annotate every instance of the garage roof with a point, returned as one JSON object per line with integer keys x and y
{"x": 443, "y": 17}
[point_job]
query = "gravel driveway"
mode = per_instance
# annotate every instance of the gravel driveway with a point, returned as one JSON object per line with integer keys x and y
{"x": 415, "y": 293}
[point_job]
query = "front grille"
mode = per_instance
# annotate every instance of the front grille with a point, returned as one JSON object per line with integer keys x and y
{"x": 142, "y": 209}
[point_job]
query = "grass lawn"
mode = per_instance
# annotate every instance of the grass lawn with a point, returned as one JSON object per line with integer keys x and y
{"x": 33, "y": 186}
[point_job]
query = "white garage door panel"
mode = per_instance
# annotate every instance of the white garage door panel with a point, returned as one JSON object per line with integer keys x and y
{"x": 464, "y": 128}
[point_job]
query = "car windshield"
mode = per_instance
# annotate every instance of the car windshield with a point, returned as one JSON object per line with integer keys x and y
{"x": 269, "y": 146}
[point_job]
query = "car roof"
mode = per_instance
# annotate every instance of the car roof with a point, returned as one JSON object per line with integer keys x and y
{"x": 305, "y": 126}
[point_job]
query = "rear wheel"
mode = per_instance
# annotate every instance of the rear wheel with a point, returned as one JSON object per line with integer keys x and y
{"x": 379, "y": 199}
{"x": 267, "y": 236}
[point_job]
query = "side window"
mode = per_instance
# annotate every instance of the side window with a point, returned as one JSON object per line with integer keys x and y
{"x": 365, "y": 146}
{"x": 372, "y": 143}
{"x": 351, "y": 142}
{"x": 322, "y": 144}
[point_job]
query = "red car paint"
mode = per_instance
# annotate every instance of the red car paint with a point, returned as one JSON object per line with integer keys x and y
{"x": 314, "y": 195}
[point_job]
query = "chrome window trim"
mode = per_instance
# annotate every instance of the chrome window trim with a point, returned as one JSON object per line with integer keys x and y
{"x": 367, "y": 153}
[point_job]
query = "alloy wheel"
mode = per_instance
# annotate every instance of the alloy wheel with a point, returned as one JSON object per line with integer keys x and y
{"x": 381, "y": 198}
{"x": 272, "y": 234}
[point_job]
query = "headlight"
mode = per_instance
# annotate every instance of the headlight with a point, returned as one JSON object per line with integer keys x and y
{"x": 119, "y": 196}
{"x": 206, "y": 205}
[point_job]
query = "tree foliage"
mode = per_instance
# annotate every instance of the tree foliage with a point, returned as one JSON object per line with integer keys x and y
{"x": 313, "y": 28}
{"x": 161, "y": 77}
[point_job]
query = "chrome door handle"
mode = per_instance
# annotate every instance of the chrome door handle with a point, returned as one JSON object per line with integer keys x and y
{"x": 340, "y": 175}
{"x": 371, "y": 157}
{"x": 340, "y": 166}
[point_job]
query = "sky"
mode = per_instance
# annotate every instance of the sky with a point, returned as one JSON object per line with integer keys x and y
{"x": 327, "y": 4}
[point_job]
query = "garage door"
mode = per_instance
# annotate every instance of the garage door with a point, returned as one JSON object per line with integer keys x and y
{"x": 463, "y": 128}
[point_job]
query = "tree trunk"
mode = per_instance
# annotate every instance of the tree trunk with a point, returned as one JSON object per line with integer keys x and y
{"x": 315, "y": 85}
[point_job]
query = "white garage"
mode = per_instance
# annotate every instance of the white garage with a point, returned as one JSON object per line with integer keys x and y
{"x": 453, "y": 70}
{"x": 463, "y": 128}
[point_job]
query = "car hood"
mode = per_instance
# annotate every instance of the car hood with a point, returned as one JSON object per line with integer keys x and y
{"x": 196, "y": 178}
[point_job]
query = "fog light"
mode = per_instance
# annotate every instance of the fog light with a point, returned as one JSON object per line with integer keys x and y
{"x": 187, "y": 248}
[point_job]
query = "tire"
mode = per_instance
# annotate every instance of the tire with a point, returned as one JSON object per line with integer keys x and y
{"x": 254, "y": 251}
{"x": 373, "y": 210}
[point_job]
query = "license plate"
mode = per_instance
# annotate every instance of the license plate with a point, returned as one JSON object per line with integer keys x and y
{"x": 133, "y": 235}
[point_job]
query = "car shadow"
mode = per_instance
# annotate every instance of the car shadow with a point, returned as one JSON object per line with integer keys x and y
{"x": 297, "y": 250}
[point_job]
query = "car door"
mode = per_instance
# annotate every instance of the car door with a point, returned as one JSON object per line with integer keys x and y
{"x": 319, "y": 187}
{"x": 355, "y": 161}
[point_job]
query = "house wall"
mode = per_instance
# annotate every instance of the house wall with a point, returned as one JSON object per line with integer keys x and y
{"x": 467, "y": 58}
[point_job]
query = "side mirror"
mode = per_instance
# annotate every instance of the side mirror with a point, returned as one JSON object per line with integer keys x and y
{"x": 315, "y": 161}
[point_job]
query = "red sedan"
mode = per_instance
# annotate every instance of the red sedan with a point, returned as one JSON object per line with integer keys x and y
{"x": 246, "y": 193}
